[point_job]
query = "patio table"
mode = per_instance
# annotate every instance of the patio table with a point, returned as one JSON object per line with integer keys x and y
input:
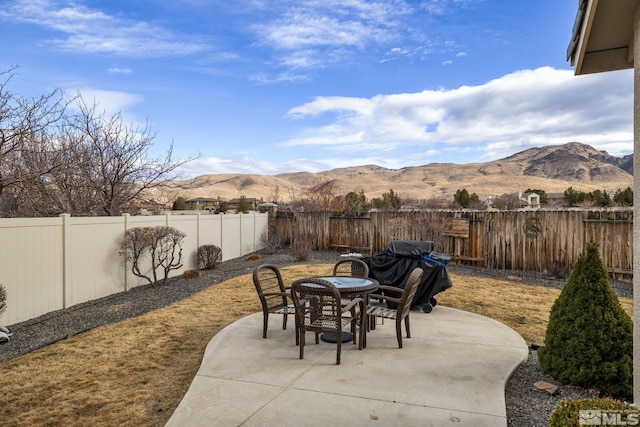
{"x": 349, "y": 287}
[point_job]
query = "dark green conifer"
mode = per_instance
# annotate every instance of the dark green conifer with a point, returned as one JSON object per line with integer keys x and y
{"x": 589, "y": 339}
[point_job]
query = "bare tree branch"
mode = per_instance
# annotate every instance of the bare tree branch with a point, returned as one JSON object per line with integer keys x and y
{"x": 83, "y": 162}
{"x": 27, "y": 129}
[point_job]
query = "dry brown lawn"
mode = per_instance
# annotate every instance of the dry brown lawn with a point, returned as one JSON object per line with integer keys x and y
{"x": 135, "y": 372}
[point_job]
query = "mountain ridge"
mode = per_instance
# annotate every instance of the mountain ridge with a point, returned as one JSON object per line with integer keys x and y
{"x": 551, "y": 168}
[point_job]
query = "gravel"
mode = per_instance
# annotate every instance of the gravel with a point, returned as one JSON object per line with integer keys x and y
{"x": 526, "y": 405}
{"x": 530, "y": 406}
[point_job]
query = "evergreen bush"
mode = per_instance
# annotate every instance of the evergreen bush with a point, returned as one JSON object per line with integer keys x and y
{"x": 589, "y": 339}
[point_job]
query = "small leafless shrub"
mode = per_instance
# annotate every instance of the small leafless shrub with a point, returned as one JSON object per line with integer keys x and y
{"x": 586, "y": 204}
{"x": 506, "y": 202}
{"x": 163, "y": 245}
{"x": 559, "y": 270}
{"x": 302, "y": 247}
{"x": 3, "y": 299}
{"x": 432, "y": 227}
{"x": 271, "y": 242}
{"x": 191, "y": 274}
{"x": 209, "y": 256}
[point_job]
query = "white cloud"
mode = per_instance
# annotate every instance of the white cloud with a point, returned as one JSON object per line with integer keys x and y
{"x": 288, "y": 76}
{"x": 317, "y": 34}
{"x": 118, "y": 70}
{"x": 248, "y": 165}
{"x": 312, "y": 33}
{"x": 87, "y": 30}
{"x": 110, "y": 102}
{"x": 439, "y": 7}
{"x": 520, "y": 110}
{"x": 300, "y": 31}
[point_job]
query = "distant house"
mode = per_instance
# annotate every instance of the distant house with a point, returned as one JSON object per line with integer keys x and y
{"x": 521, "y": 200}
{"x": 234, "y": 204}
{"x": 145, "y": 207}
{"x": 201, "y": 203}
{"x": 267, "y": 207}
{"x": 488, "y": 203}
{"x": 529, "y": 200}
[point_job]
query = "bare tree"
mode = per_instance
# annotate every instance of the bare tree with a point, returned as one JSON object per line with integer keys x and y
{"x": 28, "y": 129}
{"x": 85, "y": 163}
{"x": 506, "y": 202}
{"x": 323, "y": 192}
{"x": 63, "y": 189}
{"x": 318, "y": 196}
{"x": 113, "y": 169}
{"x": 275, "y": 194}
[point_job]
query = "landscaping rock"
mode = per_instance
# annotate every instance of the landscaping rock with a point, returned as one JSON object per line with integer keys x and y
{"x": 548, "y": 387}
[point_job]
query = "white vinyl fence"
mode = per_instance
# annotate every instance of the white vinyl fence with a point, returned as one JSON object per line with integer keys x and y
{"x": 47, "y": 264}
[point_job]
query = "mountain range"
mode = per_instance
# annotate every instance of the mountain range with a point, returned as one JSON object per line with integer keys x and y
{"x": 550, "y": 168}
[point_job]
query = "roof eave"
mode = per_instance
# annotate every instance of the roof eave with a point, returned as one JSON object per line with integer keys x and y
{"x": 610, "y": 58}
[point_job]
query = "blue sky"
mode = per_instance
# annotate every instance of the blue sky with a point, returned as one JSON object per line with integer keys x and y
{"x": 271, "y": 86}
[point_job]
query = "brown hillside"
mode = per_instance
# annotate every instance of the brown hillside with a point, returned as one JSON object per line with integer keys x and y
{"x": 552, "y": 169}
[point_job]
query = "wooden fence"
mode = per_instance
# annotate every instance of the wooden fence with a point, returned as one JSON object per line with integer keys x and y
{"x": 539, "y": 240}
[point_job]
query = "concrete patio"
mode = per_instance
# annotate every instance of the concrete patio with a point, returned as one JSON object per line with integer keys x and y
{"x": 451, "y": 372}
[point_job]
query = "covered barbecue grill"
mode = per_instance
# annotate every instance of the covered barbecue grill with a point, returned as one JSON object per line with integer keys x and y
{"x": 394, "y": 266}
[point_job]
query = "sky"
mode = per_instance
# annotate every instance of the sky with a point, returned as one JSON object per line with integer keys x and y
{"x": 274, "y": 86}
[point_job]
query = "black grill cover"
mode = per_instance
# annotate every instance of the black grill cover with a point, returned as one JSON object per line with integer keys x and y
{"x": 411, "y": 247}
{"x": 393, "y": 269}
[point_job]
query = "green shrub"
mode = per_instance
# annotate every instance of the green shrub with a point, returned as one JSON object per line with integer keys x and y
{"x": 588, "y": 342}
{"x": 567, "y": 413}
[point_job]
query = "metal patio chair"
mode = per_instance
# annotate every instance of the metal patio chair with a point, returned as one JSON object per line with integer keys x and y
{"x": 402, "y": 302}
{"x": 318, "y": 310}
{"x": 273, "y": 294}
